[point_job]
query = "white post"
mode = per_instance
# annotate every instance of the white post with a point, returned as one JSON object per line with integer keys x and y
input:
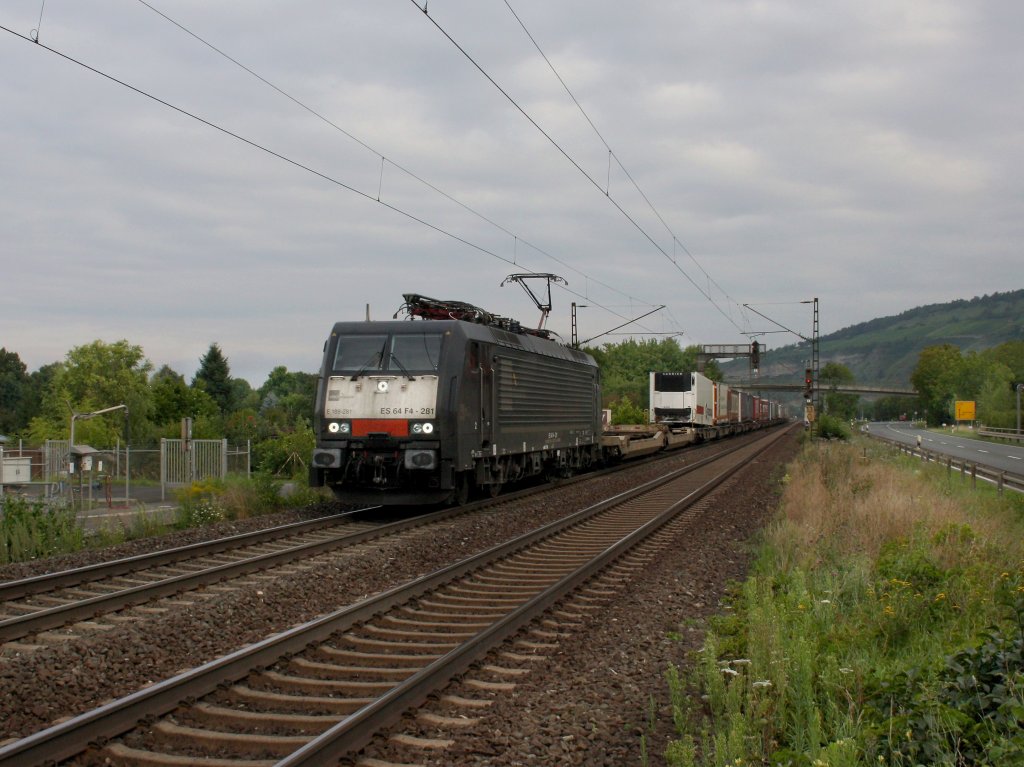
{"x": 1019, "y": 387}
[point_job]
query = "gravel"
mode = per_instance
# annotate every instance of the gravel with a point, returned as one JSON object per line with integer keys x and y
{"x": 591, "y": 701}
{"x": 81, "y": 673}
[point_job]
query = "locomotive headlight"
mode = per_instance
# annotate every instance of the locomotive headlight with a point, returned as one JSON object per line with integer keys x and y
{"x": 333, "y": 427}
{"x": 428, "y": 428}
{"x": 417, "y": 428}
{"x": 344, "y": 428}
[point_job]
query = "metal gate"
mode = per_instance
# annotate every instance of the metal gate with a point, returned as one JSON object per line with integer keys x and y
{"x": 184, "y": 462}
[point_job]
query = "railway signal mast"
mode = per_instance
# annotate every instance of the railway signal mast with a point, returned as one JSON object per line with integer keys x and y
{"x": 812, "y": 393}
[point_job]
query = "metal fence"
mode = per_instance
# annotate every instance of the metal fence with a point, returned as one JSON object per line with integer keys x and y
{"x": 184, "y": 462}
{"x": 1003, "y": 480}
{"x": 1010, "y": 435}
{"x": 117, "y": 475}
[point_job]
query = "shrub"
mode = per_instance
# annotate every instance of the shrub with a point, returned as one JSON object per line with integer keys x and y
{"x": 625, "y": 412}
{"x": 287, "y": 454}
{"x": 830, "y": 427}
{"x": 211, "y": 501}
{"x": 883, "y": 624}
{"x": 33, "y": 529}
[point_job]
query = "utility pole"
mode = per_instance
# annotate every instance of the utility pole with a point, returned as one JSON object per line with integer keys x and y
{"x": 575, "y": 326}
{"x": 815, "y": 335}
{"x": 813, "y": 395}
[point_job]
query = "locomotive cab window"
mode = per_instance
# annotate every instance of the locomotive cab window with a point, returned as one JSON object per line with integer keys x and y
{"x": 420, "y": 352}
{"x": 360, "y": 353}
{"x": 398, "y": 353}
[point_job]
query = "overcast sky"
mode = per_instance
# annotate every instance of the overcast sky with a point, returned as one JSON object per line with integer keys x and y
{"x": 867, "y": 153}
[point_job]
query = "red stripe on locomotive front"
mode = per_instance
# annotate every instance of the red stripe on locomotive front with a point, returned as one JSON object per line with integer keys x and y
{"x": 395, "y": 427}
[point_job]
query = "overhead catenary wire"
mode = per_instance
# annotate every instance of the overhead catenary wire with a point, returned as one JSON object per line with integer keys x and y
{"x": 575, "y": 164}
{"x": 389, "y": 161}
{"x": 35, "y": 33}
{"x": 288, "y": 160}
{"x": 612, "y": 155}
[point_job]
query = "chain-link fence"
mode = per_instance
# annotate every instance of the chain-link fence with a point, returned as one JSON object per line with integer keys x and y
{"x": 119, "y": 475}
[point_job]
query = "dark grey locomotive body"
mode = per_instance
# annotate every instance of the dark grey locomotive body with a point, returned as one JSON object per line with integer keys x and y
{"x": 430, "y": 411}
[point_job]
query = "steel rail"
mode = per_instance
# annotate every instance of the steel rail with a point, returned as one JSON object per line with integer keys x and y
{"x": 18, "y": 589}
{"x": 11, "y": 590}
{"x": 112, "y": 719}
{"x": 53, "y": 617}
{"x": 356, "y": 730}
{"x": 60, "y": 615}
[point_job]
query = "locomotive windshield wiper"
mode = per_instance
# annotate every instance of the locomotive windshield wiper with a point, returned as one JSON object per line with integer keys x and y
{"x": 374, "y": 361}
{"x": 399, "y": 363}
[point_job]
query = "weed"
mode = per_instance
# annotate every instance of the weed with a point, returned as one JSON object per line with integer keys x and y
{"x": 33, "y": 529}
{"x": 883, "y": 622}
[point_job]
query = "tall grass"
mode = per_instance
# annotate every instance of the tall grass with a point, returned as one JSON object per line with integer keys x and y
{"x": 213, "y": 500}
{"x": 31, "y": 529}
{"x": 883, "y": 623}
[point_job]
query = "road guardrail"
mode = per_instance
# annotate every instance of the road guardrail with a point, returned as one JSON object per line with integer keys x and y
{"x": 999, "y": 477}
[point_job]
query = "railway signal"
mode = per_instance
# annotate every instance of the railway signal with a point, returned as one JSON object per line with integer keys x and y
{"x": 808, "y": 383}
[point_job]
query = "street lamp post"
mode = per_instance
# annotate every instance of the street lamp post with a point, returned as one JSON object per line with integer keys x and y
{"x": 84, "y": 417}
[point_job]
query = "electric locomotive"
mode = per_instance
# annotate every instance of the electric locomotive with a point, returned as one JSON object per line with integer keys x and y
{"x": 460, "y": 401}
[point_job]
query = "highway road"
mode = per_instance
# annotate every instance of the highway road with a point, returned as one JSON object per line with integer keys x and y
{"x": 1002, "y": 457}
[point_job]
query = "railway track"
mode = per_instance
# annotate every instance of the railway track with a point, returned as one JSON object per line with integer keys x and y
{"x": 320, "y": 690}
{"x": 71, "y": 601}
{"x": 75, "y": 597}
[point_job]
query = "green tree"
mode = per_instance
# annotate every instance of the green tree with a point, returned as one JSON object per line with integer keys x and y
{"x": 892, "y": 407}
{"x": 997, "y": 403}
{"x": 14, "y": 381}
{"x": 1011, "y": 354}
{"x": 626, "y": 367}
{"x": 286, "y": 397}
{"x": 624, "y": 411}
{"x": 977, "y": 370}
{"x": 831, "y": 377}
{"x": 214, "y": 377}
{"x": 935, "y": 378}
{"x": 94, "y": 377}
{"x": 286, "y": 455}
{"x": 39, "y": 382}
{"x": 243, "y": 395}
{"x": 173, "y": 399}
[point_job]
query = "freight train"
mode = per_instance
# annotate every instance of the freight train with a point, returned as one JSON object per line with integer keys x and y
{"x": 465, "y": 402}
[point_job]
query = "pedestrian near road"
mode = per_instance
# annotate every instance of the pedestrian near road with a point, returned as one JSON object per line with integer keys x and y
{"x": 919, "y": 440}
